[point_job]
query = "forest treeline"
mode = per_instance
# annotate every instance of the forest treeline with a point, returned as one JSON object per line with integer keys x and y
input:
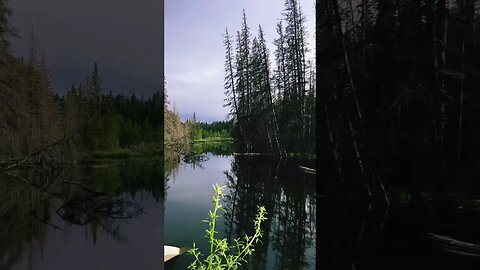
{"x": 108, "y": 122}
{"x": 178, "y": 134}
{"x": 215, "y": 129}
{"x": 398, "y": 93}
{"x": 34, "y": 117}
{"x": 204, "y": 131}
{"x": 273, "y": 109}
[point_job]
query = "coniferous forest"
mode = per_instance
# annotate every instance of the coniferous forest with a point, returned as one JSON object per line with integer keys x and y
{"x": 87, "y": 120}
{"x": 273, "y": 109}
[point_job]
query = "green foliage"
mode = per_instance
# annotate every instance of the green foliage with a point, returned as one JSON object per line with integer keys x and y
{"x": 203, "y": 131}
{"x": 221, "y": 256}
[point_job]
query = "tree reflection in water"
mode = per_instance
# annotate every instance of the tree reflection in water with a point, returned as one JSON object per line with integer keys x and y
{"x": 289, "y": 197}
{"x": 97, "y": 197}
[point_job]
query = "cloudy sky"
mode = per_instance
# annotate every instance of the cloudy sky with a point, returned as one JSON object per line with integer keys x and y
{"x": 194, "y": 53}
{"x": 124, "y": 36}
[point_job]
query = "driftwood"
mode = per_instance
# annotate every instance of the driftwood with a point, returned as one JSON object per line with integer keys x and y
{"x": 451, "y": 245}
{"x": 16, "y": 163}
{"x": 308, "y": 170}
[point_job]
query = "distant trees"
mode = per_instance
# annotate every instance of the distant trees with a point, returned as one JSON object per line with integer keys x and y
{"x": 272, "y": 111}
{"x": 204, "y": 131}
{"x": 108, "y": 122}
{"x": 192, "y": 129}
{"x": 33, "y": 117}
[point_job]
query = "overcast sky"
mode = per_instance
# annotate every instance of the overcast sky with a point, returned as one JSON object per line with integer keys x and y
{"x": 123, "y": 36}
{"x": 194, "y": 53}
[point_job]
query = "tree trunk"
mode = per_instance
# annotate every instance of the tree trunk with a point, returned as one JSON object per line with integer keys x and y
{"x": 460, "y": 114}
{"x": 333, "y": 143}
{"x": 345, "y": 57}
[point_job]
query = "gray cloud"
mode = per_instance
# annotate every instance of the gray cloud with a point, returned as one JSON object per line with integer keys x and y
{"x": 194, "y": 53}
{"x": 124, "y": 37}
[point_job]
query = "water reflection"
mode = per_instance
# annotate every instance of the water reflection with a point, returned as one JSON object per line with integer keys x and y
{"x": 222, "y": 149}
{"x": 286, "y": 191}
{"x": 89, "y": 205}
{"x": 289, "y": 198}
{"x": 355, "y": 234}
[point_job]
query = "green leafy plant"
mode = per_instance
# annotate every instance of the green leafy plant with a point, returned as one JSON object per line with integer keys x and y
{"x": 223, "y": 256}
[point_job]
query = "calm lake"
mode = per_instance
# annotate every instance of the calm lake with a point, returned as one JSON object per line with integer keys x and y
{"x": 280, "y": 185}
{"x": 97, "y": 216}
{"x": 111, "y": 214}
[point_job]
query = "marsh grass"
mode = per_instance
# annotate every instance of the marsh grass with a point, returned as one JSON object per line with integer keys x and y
{"x": 222, "y": 255}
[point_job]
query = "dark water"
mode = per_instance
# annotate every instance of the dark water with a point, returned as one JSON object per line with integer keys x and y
{"x": 287, "y": 193}
{"x": 356, "y": 234}
{"x": 104, "y": 216}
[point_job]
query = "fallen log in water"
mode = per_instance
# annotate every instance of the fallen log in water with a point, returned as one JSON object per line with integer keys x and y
{"x": 453, "y": 246}
{"x": 308, "y": 170}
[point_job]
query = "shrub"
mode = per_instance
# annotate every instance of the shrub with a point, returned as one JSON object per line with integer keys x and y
{"x": 223, "y": 256}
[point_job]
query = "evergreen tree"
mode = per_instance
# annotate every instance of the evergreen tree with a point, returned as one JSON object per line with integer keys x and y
{"x": 231, "y": 92}
{"x": 274, "y": 112}
{"x": 93, "y": 110}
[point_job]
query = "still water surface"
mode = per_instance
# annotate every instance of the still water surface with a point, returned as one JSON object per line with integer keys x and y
{"x": 100, "y": 216}
{"x": 287, "y": 193}
{"x": 109, "y": 215}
